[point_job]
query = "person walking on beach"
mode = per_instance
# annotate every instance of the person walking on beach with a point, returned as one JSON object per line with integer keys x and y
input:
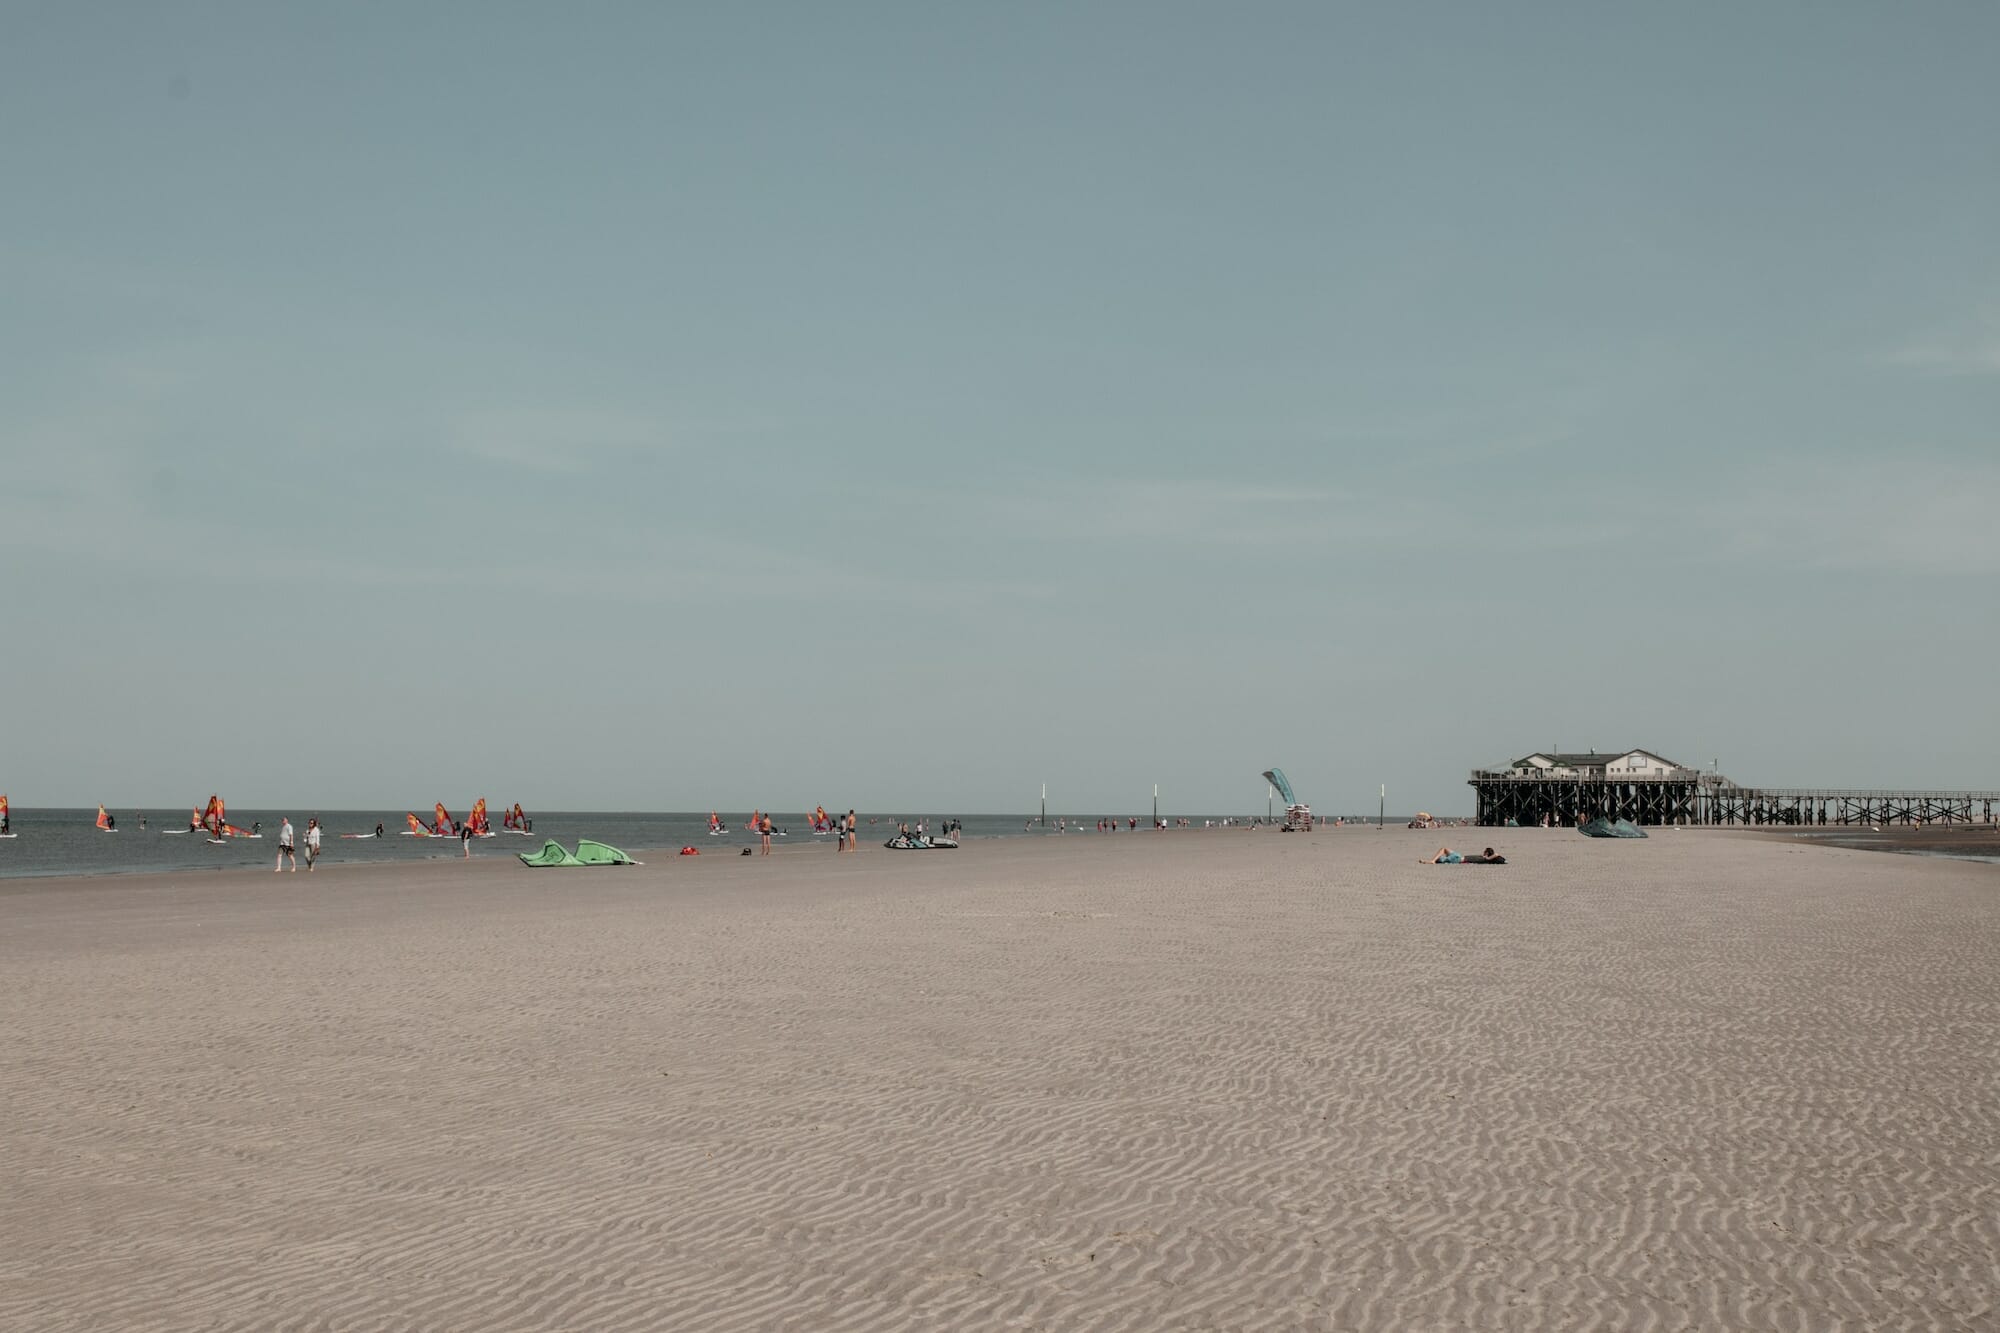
{"x": 285, "y": 848}
{"x": 465, "y": 839}
{"x": 312, "y": 842}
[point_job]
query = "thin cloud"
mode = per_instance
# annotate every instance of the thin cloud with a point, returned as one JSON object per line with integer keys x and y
{"x": 1966, "y": 351}
{"x": 553, "y": 440}
{"x": 1917, "y": 517}
{"x": 1176, "y": 512}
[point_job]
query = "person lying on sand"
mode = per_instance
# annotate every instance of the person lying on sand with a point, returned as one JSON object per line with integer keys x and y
{"x": 1445, "y": 856}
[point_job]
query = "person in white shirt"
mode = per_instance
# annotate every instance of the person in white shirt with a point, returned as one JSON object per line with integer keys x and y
{"x": 285, "y": 847}
{"x": 312, "y": 841}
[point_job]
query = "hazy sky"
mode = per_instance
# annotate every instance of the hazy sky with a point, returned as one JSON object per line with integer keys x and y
{"x": 668, "y": 406}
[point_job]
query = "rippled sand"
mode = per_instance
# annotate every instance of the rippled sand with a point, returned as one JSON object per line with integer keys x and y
{"x": 1221, "y": 1080}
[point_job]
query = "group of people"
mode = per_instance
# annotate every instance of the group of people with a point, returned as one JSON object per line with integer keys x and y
{"x": 846, "y": 828}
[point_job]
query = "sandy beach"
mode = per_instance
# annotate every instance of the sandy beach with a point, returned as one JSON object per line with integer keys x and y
{"x": 1208, "y": 1080}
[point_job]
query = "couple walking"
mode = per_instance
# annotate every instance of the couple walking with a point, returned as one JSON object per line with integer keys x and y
{"x": 285, "y": 844}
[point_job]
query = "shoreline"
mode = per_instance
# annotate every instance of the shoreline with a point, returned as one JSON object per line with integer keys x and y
{"x": 1975, "y": 843}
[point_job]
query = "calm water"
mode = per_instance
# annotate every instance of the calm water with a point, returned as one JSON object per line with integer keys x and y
{"x": 67, "y": 842}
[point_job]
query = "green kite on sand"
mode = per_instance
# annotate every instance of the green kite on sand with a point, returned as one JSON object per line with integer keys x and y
{"x": 588, "y": 853}
{"x": 598, "y": 854}
{"x": 1608, "y": 828}
{"x": 552, "y": 854}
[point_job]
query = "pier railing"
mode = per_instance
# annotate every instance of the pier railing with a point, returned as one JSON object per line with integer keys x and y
{"x": 1691, "y": 797}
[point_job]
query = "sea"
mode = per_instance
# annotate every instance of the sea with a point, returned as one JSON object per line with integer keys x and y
{"x": 56, "y": 842}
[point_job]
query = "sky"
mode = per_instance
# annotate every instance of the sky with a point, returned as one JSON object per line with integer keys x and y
{"x": 689, "y": 406}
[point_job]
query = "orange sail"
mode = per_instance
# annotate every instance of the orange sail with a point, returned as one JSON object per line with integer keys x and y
{"x": 3, "y": 805}
{"x": 103, "y": 819}
{"x": 478, "y": 816}
{"x": 417, "y": 825}
{"x": 443, "y": 824}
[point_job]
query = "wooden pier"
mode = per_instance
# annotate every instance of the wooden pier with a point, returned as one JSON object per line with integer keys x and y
{"x": 1692, "y": 798}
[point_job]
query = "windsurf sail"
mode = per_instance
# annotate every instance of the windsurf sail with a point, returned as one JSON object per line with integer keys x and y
{"x": 1276, "y": 777}
{"x": 103, "y": 817}
{"x": 216, "y": 817}
{"x": 417, "y": 825}
{"x": 478, "y": 817}
{"x": 443, "y": 824}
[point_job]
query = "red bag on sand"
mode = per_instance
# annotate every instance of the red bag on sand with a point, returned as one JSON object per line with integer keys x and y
{"x": 690, "y": 851}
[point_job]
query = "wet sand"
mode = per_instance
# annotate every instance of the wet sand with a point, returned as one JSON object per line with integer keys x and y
{"x": 1963, "y": 840}
{"x": 1222, "y": 1080}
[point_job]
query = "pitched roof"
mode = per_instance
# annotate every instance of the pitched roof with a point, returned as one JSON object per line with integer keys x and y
{"x": 1593, "y": 759}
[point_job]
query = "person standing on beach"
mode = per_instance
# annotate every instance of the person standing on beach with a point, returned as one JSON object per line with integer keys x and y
{"x": 312, "y": 842}
{"x": 285, "y": 848}
{"x": 465, "y": 839}
{"x": 764, "y": 833}
{"x": 853, "y": 832}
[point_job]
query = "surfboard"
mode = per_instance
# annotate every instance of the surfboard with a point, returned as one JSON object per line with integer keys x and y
{"x": 9, "y": 835}
{"x": 357, "y": 835}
